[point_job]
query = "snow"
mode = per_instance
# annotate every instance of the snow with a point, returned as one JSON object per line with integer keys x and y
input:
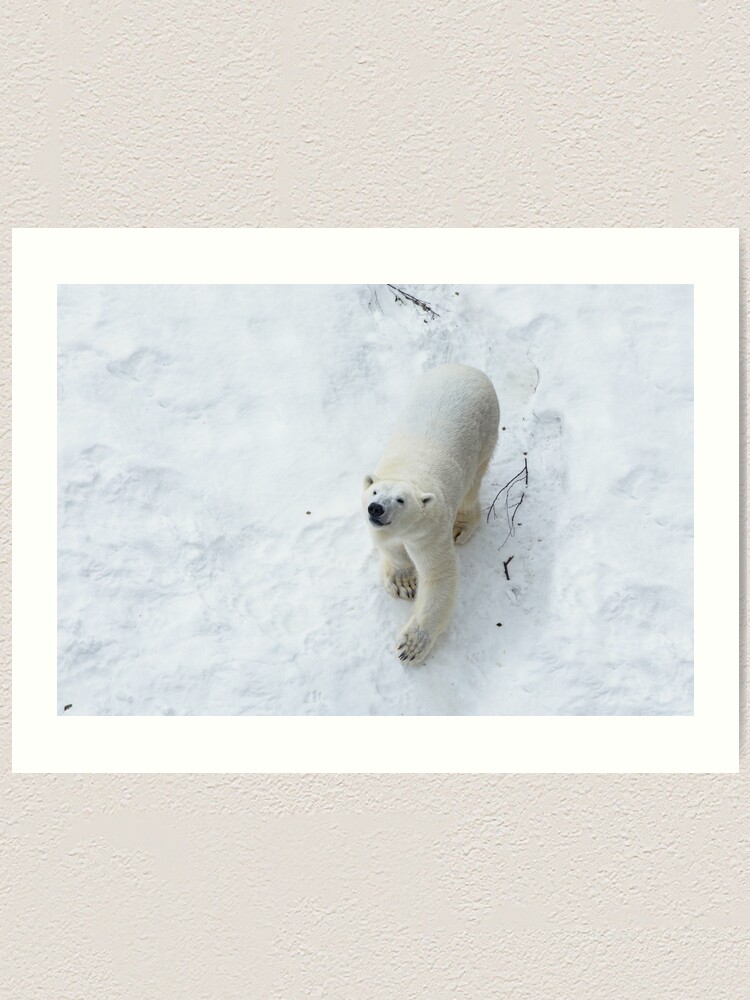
{"x": 212, "y": 556}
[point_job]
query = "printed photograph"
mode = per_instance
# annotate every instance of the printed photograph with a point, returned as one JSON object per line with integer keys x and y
{"x": 375, "y": 500}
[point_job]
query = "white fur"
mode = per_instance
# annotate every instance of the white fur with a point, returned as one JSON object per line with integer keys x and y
{"x": 434, "y": 463}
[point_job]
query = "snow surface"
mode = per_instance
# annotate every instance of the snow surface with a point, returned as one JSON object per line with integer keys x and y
{"x": 212, "y": 557}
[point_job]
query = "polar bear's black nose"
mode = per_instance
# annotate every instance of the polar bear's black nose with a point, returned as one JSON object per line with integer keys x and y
{"x": 375, "y": 510}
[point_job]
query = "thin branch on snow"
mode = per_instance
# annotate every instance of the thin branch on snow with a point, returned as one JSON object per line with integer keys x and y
{"x": 505, "y": 567}
{"x": 515, "y": 510}
{"x": 510, "y": 514}
{"x": 511, "y": 519}
{"x": 523, "y": 474}
{"x": 400, "y": 295}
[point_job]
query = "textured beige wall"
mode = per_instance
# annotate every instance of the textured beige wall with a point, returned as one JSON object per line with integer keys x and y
{"x": 314, "y": 113}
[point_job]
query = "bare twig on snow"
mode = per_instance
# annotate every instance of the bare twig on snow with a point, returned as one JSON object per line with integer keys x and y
{"x": 510, "y": 514}
{"x": 400, "y": 295}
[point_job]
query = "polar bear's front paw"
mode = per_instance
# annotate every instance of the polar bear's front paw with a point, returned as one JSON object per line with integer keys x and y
{"x": 402, "y": 583}
{"x": 413, "y": 644}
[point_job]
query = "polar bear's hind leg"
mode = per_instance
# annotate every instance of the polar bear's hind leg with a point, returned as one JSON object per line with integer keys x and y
{"x": 470, "y": 513}
{"x": 467, "y": 520}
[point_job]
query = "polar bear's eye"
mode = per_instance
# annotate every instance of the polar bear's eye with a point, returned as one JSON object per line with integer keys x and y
{"x": 399, "y": 500}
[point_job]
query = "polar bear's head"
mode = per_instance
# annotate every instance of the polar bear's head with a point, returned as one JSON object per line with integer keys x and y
{"x": 395, "y": 506}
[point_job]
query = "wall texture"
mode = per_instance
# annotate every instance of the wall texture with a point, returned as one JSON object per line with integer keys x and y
{"x": 398, "y": 113}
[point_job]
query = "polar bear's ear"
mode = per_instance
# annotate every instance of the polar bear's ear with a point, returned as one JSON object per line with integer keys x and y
{"x": 427, "y": 499}
{"x": 369, "y": 480}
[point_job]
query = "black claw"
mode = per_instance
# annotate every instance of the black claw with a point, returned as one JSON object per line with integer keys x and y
{"x": 412, "y": 657}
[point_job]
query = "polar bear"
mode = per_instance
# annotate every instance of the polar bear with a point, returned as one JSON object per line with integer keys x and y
{"x": 424, "y": 495}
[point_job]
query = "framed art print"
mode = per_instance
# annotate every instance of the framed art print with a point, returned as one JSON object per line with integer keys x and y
{"x": 203, "y": 485}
